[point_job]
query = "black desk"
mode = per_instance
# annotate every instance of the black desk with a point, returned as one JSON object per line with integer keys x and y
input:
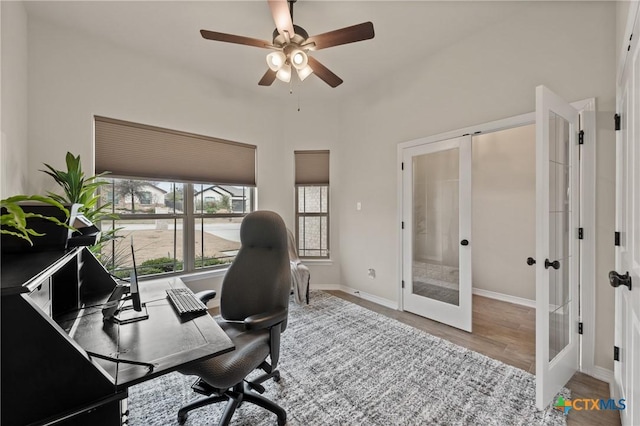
{"x": 51, "y": 318}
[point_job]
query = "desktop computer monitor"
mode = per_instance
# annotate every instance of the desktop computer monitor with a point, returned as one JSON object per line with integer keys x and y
{"x": 133, "y": 282}
{"x": 116, "y": 309}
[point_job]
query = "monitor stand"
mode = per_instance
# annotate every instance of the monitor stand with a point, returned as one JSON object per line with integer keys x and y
{"x": 126, "y": 314}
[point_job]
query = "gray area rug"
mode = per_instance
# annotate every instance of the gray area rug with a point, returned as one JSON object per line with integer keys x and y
{"x": 342, "y": 364}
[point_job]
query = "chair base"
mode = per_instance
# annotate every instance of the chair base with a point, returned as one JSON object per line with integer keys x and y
{"x": 236, "y": 396}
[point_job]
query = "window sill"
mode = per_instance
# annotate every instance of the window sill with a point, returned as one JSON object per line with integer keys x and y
{"x": 203, "y": 275}
{"x": 317, "y": 262}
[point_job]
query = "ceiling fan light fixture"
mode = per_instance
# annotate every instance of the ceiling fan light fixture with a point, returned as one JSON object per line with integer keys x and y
{"x": 284, "y": 73}
{"x": 299, "y": 59}
{"x": 275, "y": 60}
{"x": 304, "y": 72}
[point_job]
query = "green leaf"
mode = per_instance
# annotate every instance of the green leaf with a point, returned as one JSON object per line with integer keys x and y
{"x": 17, "y": 234}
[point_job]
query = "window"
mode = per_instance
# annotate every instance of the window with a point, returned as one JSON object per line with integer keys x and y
{"x": 172, "y": 232}
{"x": 313, "y": 221}
{"x": 312, "y": 203}
{"x": 145, "y": 197}
{"x": 176, "y": 225}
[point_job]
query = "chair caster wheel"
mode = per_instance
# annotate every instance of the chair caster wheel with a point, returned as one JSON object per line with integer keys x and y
{"x": 276, "y": 377}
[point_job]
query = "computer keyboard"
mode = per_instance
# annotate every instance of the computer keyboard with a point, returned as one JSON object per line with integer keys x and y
{"x": 185, "y": 302}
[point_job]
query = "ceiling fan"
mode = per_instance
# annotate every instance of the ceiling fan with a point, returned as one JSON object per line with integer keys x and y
{"x": 291, "y": 44}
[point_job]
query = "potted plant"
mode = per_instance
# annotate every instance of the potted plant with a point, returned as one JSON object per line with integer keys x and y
{"x": 80, "y": 189}
{"x": 13, "y": 220}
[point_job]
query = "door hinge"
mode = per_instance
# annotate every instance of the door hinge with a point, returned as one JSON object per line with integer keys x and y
{"x": 616, "y": 353}
{"x": 402, "y": 166}
{"x": 579, "y": 328}
{"x": 581, "y": 137}
{"x": 616, "y": 239}
{"x": 616, "y": 119}
{"x": 580, "y": 233}
{"x": 403, "y": 225}
{"x": 402, "y": 283}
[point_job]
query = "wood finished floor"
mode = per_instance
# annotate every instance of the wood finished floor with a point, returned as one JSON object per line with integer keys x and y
{"x": 506, "y": 332}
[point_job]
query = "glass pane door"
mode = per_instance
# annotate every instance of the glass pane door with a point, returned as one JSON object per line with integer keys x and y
{"x": 559, "y": 215}
{"x": 436, "y": 262}
{"x": 556, "y": 245}
{"x": 437, "y": 231}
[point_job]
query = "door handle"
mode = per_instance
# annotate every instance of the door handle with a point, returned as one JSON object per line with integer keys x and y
{"x": 531, "y": 261}
{"x": 555, "y": 264}
{"x": 616, "y": 280}
{"x": 464, "y": 242}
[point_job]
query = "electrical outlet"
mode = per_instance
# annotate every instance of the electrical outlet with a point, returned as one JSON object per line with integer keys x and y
{"x": 372, "y": 273}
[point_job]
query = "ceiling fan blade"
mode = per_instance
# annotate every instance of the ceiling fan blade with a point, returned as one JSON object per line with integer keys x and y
{"x": 282, "y": 16}
{"x": 345, "y": 35}
{"x": 324, "y": 73}
{"x": 230, "y": 38}
{"x": 268, "y": 78}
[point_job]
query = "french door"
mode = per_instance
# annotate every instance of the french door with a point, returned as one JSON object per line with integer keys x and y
{"x": 626, "y": 277}
{"x": 437, "y": 231}
{"x": 557, "y": 177}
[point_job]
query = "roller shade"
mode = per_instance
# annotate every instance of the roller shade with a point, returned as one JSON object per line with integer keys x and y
{"x": 312, "y": 167}
{"x": 136, "y": 150}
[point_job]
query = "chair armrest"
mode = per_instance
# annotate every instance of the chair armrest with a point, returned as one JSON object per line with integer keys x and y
{"x": 206, "y": 295}
{"x": 266, "y": 320}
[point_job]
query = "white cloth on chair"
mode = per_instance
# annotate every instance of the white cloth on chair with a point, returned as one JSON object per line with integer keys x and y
{"x": 300, "y": 274}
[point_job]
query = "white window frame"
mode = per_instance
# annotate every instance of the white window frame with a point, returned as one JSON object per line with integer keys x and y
{"x": 299, "y": 214}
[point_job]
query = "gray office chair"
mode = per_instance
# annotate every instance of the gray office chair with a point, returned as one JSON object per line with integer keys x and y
{"x": 254, "y": 307}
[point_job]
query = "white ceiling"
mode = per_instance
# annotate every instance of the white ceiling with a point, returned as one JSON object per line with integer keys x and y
{"x": 405, "y": 32}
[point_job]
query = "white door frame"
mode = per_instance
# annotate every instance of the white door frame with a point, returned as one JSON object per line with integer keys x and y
{"x": 587, "y": 209}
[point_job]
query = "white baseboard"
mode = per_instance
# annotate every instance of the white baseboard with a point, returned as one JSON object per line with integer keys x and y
{"x": 394, "y": 305}
{"x": 603, "y": 374}
{"x": 505, "y": 297}
{"x": 366, "y": 296}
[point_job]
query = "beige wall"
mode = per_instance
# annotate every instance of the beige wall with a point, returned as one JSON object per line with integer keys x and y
{"x": 568, "y": 46}
{"x": 13, "y": 121}
{"x": 503, "y": 211}
{"x": 74, "y": 76}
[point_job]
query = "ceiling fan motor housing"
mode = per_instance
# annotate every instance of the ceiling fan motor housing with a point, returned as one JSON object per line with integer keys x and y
{"x": 300, "y": 34}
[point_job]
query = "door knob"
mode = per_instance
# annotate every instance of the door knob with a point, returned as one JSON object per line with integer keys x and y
{"x": 616, "y": 280}
{"x": 464, "y": 242}
{"x": 555, "y": 264}
{"x": 531, "y": 261}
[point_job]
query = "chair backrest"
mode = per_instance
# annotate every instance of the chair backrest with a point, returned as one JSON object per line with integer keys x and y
{"x": 259, "y": 279}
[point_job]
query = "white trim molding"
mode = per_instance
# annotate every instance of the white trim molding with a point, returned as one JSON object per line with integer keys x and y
{"x": 364, "y": 295}
{"x": 505, "y": 297}
{"x": 603, "y": 374}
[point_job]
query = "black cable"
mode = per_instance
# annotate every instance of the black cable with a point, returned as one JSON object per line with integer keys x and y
{"x": 120, "y": 360}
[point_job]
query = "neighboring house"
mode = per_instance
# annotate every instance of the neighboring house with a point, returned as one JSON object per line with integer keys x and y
{"x": 215, "y": 196}
{"x": 148, "y": 196}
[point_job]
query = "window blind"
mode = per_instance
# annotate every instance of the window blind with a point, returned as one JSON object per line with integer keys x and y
{"x": 312, "y": 167}
{"x": 128, "y": 149}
